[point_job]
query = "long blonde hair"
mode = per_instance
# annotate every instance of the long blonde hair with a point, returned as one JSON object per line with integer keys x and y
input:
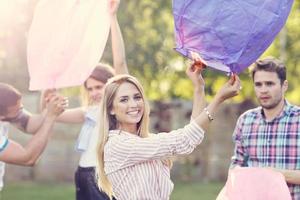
{"x": 109, "y": 122}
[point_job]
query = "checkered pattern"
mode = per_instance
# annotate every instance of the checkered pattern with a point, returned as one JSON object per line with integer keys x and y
{"x": 276, "y": 143}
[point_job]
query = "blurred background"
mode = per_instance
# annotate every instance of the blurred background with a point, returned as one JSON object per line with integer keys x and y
{"x": 147, "y": 28}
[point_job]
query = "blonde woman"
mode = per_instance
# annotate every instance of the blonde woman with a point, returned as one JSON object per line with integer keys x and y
{"x": 85, "y": 181}
{"x": 130, "y": 162}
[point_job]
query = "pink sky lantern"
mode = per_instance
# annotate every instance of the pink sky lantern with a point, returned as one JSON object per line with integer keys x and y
{"x": 65, "y": 42}
{"x": 245, "y": 183}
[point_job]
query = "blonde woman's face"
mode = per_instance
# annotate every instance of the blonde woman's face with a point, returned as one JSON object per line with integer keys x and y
{"x": 128, "y": 106}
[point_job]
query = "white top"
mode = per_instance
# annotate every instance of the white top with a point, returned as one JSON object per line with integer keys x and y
{"x": 89, "y": 138}
{"x": 133, "y": 164}
{"x": 3, "y": 142}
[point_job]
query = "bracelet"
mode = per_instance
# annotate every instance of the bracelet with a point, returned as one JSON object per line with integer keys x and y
{"x": 210, "y": 118}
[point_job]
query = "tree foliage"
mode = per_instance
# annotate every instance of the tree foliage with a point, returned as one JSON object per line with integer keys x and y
{"x": 147, "y": 28}
{"x": 148, "y": 31}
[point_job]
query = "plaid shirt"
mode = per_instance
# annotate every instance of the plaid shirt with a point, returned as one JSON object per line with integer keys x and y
{"x": 276, "y": 143}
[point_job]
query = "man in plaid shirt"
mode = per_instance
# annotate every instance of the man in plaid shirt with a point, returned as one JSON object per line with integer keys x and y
{"x": 269, "y": 135}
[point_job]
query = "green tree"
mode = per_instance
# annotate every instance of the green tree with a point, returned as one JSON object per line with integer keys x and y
{"x": 149, "y": 36}
{"x": 148, "y": 30}
{"x": 286, "y": 47}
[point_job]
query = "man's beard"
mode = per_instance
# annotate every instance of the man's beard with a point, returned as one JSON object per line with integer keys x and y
{"x": 272, "y": 105}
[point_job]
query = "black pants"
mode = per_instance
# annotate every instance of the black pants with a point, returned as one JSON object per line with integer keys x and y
{"x": 86, "y": 186}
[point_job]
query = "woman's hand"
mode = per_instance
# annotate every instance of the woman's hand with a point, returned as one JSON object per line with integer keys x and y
{"x": 56, "y": 105}
{"x": 114, "y": 6}
{"x": 230, "y": 89}
{"x": 194, "y": 72}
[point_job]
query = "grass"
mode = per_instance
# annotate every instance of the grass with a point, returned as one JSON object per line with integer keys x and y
{"x": 42, "y": 191}
{"x": 196, "y": 191}
{"x": 37, "y": 191}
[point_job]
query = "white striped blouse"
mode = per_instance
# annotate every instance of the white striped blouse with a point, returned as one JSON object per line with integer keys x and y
{"x": 133, "y": 164}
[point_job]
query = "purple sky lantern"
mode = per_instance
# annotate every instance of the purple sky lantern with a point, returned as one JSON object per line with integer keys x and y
{"x": 228, "y": 35}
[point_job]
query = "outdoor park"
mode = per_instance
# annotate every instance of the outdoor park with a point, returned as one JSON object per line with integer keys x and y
{"x": 150, "y": 40}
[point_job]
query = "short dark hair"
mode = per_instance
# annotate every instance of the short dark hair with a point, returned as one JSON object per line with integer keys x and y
{"x": 270, "y": 64}
{"x": 102, "y": 73}
{"x": 9, "y": 96}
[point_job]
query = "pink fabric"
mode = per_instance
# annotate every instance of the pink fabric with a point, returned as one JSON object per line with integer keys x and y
{"x": 66, "y": 41}
{"x": 254, "y": 183}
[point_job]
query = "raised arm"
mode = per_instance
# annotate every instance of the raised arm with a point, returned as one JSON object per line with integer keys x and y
{"x": 199, "y": 102}
{"x": 27, "y": 122}
{"x": 118, "y": 49}
{"x": 132, "y": 150}
{"x": 230, "y": 89}
{"x": 35, "y": 121}
{"x": 14, "y": 153}
{"x": 72, "y": 116}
